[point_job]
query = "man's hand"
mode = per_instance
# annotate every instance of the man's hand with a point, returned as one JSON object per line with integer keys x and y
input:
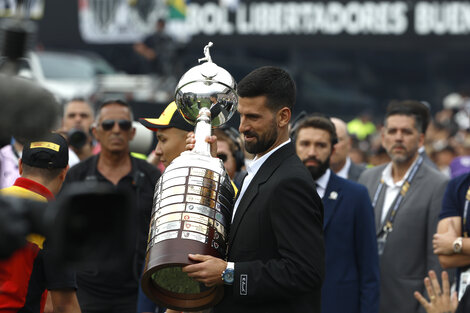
{"x": 212, "y": 140}
{"x": 208, "y": 271}
{"x": 440, "y": 301}
{"x": 443, "y": 243}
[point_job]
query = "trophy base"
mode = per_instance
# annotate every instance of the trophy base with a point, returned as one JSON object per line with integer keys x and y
{"x": 165, "y": 283}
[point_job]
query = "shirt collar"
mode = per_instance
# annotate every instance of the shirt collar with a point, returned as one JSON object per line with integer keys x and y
{"x": 343, "y": 172}
{"x": 387, "y": 175}
{"x": 35, "y": 187}
{"x": 96, "y": 172}
{"x": 322, "y": 182}
{"x": 253, "y": 168}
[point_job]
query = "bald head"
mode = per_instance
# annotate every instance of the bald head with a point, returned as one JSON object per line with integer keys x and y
{"x": 341, "y": 151}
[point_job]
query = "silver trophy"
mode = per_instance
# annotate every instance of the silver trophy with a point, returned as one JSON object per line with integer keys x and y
{"x": 194, "y": 197}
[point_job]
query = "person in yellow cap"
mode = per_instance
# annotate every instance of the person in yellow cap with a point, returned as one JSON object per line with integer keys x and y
{"x": 171, "y": 130}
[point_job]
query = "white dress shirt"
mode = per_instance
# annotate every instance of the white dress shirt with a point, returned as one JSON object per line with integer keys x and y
{"x": 343, "y": 172}
{"x": 252, "y": 169}
{"x": 391, "y": 188}
{"x": 322, "y": 182}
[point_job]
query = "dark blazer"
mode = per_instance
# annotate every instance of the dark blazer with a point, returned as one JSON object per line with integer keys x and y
{"x": 276, "y": 241}
{"x": 352, "y": 263}
{"x": 355, "y": 170}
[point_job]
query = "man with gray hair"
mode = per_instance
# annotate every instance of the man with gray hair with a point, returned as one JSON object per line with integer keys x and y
{"x": 340, "y": 161}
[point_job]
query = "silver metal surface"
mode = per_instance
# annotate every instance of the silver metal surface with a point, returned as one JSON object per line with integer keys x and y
{"x": 194, "y": 236}
{"x": 166, "y": 236}
{"x": 201, "y": 209}
{"x": 172, "y": 208}
{"x": 194, "y": 197}
{"x": 196, "y": 227}
{"x": 207, "y": 86}
{"x": 168, "y": 226}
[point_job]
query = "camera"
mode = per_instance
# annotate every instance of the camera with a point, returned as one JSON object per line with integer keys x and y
{"x": 77, "y": 138}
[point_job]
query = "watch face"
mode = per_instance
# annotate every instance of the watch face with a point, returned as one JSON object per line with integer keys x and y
{"x": 228, "y": 276}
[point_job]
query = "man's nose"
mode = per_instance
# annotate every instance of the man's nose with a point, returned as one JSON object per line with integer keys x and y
{"x": 312, "y": 151}
{"x": 158, "y": 149}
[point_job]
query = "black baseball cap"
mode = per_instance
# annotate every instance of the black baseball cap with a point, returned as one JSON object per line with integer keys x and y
{"x": 171, "y": 117}
{"x": 51, "y": 151}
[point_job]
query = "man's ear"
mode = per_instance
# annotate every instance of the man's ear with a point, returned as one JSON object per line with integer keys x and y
{"x": 20, "y": 166}
{"x": 283, "y": 117}
{"x": 133, "y": 130}
{"x": 64, "y": 173}
{"x": 94, "y": 131}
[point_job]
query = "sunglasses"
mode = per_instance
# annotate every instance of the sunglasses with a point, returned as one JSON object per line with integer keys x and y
{"x": 123, "y": 124}
{"x": 222, "y": 156}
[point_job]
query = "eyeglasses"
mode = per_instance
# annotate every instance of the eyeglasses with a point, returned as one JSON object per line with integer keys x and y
{"x": 222, "y": 156}
{"x": 123, "y": 124}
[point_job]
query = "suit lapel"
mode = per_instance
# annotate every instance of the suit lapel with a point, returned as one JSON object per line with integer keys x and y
{"x": 266, "y": 170}
{"x": 415, "y": 182}
{"x": 331, "y": 198}
{"x": 379, "y": 206}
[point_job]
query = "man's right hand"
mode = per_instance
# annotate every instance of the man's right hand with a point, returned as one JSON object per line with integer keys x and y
{"x": 191, "y": 141}
{"x": 439, "y": 301}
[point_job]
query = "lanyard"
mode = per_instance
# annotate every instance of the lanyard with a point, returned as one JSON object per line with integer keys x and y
{"x": 401, "y": 195}
{"x": 465, "y": 213}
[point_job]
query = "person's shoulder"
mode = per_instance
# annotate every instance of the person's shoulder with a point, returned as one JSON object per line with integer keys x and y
{"x": 348, "y": 185}
{"x": 371, "y": 172}
{"x": 147, "y": 168}
{"x": 433, "y": 174}
{"x": 461, "y": 179}
{"x": 80, "y": 170}
{"x": 85, "y": 164}
{"x": 459, "y": 182}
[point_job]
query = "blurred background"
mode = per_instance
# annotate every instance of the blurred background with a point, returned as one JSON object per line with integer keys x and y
{"x": 348, "y": 58}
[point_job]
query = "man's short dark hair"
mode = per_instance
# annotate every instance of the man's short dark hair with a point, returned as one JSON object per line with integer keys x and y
{"x": 412, "y": 108}
{"x": 316, "y": 121}
{"x": 48, "y": 174}
{"x": 113, "y": 101}
{"x": 273, "y": 82}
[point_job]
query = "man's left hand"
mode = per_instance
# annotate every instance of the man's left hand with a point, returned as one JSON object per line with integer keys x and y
{"x": 443, "y": 243}
{"x": 208, "y": 271}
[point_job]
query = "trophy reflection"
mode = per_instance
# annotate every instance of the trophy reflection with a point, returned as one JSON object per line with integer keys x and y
{"x": 194, "y": 197}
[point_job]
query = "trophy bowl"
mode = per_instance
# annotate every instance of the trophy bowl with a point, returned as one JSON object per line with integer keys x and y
{"x": 194, "y": 197}
{"x": 207, "y": 86}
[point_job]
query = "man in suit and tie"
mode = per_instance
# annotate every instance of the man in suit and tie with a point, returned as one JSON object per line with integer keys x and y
{"x": 407, "y": 196}
{"x": 340, "y": 162}
{"x": 352, "y": 263}
{"x": 276, "y": 250}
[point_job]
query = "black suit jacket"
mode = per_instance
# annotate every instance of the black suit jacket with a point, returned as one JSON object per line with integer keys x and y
{"x": 276, "y": 241}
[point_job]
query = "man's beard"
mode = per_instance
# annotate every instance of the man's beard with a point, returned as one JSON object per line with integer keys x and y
{"x": 401, "y": 158}
{"x": 320, "y": 169}
{"x": 263, "y": 142}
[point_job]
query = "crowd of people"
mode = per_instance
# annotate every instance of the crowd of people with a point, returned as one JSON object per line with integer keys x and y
{"x": 330, "y": 215}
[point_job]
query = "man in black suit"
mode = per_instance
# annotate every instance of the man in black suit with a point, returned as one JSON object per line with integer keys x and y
{"x": 276, "y": 250}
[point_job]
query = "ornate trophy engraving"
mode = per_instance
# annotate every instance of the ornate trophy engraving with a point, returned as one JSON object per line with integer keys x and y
{"x": 194, "y": 197}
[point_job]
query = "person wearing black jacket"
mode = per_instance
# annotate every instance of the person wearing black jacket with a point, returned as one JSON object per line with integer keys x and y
{"x": 115, "y": 289}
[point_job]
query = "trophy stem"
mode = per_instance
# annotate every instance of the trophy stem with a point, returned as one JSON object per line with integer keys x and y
{"x": 203, "y": 129}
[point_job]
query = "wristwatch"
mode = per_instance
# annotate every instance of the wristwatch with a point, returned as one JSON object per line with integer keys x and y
{"x": 457, "y": 245}
{"x": 228, "y": 274}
